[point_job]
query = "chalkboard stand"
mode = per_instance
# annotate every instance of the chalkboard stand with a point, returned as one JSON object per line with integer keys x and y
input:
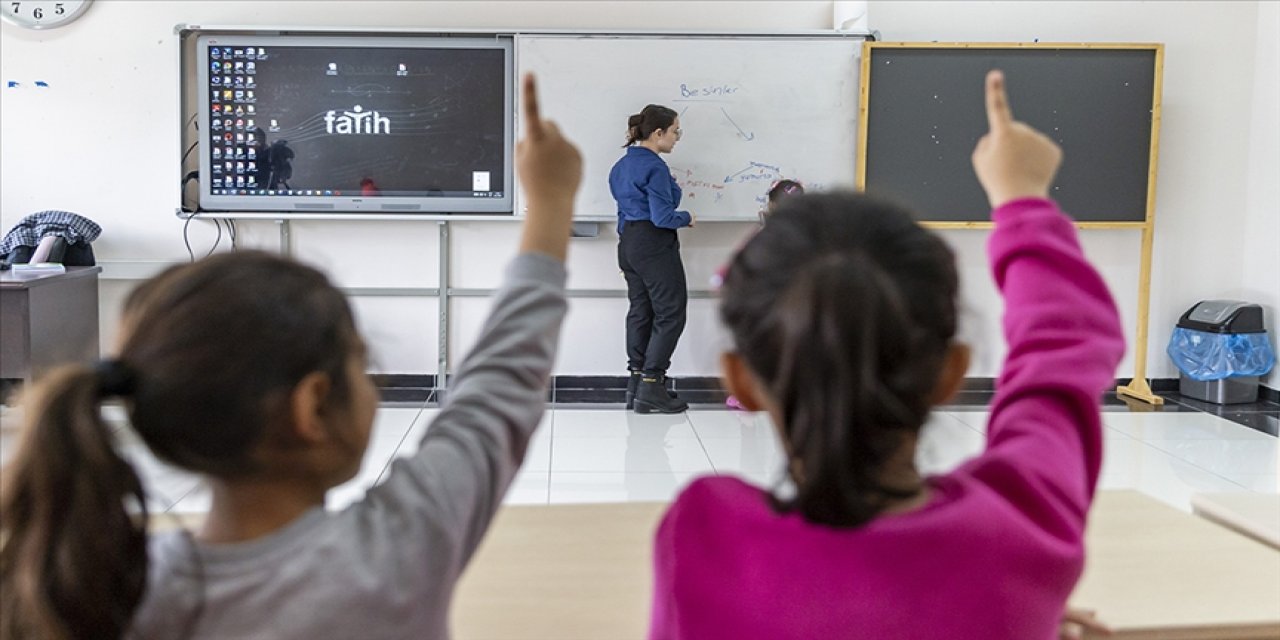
{"x": 1138, "y": 388}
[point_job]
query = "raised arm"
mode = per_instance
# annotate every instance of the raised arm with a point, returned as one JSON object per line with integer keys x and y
{"x": 1044, "y": 446}
{"x": 470, "y": 454}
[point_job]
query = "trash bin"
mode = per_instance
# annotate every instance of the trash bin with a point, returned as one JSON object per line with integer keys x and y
{"x": 1221, "y": 348}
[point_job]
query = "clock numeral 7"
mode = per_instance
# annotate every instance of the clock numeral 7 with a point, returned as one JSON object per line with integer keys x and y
{"x": 15, "y": 6}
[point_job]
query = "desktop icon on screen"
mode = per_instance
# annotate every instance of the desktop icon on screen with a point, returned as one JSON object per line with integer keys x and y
{"x": 332, "y": 70}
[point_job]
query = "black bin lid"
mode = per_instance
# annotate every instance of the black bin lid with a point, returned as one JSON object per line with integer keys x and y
{"x": 1223, "y": 316}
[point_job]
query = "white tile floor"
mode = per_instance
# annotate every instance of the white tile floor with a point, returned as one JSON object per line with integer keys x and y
{"x": 594, "y": 455}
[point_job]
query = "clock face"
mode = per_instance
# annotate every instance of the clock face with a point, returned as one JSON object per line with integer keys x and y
{"x": 42, "y": 14}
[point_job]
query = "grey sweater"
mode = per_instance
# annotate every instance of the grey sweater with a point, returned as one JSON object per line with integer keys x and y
{"x": 386, "y": 566}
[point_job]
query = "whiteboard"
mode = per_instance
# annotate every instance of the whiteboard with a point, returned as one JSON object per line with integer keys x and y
{"x": 752, "y": 110}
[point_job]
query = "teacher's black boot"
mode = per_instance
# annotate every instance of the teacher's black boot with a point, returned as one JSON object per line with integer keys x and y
{"x": 652, "y": 396}
{"x": 632, "y": 383}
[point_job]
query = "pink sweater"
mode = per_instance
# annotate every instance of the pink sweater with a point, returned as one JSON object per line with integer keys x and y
{"x": 998, "y": 548}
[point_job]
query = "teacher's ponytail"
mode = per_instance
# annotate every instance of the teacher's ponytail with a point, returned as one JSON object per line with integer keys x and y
{"x": 652, "y": 118}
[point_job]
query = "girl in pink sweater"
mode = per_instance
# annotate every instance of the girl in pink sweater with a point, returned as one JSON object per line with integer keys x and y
{"x": 843, "y": 314}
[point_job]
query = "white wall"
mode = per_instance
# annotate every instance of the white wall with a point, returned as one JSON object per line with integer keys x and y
{"x": 1261, "y": 245}
{"x": 103, "y": 140}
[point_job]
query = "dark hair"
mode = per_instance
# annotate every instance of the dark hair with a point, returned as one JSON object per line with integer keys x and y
{"x": 211, "y": 353}
{"x": 844, "y": 308}
{"x": 652, "y": 118}
{"x": 784, "y": 188}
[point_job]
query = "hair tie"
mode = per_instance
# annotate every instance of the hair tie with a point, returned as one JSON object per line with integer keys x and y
{"x": 115, "y": 378}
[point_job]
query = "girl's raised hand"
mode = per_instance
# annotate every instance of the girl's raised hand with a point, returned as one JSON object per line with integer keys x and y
{"x": 1013, "y": 160}
{"x": 550, "y": 170}
{"x": 550, "y": 166}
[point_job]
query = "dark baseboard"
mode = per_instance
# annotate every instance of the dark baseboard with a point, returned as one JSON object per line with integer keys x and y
{"x": 1267, "y": 394}
{"x": 398, "y": 387}
{"x": 598, "y": 389}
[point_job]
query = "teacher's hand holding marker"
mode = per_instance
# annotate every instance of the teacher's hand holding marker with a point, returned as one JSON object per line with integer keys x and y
{"x": 1013, "y": 160}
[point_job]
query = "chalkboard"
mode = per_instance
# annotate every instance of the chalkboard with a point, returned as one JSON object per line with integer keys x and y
{"x": 924, "y": 113}
{"x": 752, "y": 109}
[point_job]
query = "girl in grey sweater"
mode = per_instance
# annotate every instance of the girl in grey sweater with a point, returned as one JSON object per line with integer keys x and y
{"x": 247, "y": 369}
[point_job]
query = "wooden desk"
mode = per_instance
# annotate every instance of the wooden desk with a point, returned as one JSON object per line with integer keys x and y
{"x": 47, "y": 321}
{"x": 1156, "y": 572}
{"x": 584, "y": 572}
{"x": 1256, "y": 515}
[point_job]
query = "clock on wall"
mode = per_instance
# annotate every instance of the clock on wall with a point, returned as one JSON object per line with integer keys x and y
{"x": 42, "y": 14}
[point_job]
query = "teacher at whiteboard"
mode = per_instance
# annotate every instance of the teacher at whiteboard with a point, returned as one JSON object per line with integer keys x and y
{"x": 649, "y": 256}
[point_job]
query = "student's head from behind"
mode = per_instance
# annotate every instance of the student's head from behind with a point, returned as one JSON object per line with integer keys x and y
{"x": 843, "y": 312}
{"x": 656, "y": 126}
{"x": 245, "y": 366}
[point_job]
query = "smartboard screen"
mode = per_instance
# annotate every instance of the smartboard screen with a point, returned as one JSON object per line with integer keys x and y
{"x": 345, "y": 124}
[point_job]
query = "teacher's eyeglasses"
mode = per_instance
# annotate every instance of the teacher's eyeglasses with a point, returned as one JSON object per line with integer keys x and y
{"x": 679, "y": 132}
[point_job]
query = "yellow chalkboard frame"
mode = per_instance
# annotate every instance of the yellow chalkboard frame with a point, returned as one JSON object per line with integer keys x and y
{"x": 1138, "y": 388}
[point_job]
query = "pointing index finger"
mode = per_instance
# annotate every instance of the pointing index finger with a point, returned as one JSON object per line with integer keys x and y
{"x": 532, "y": 119}
{"x": 999, "y": 115}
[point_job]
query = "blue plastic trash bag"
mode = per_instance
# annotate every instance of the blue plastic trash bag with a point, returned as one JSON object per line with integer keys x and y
{"x": 1214, "y": 356}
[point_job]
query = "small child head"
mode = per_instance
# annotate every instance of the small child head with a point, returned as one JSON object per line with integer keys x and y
{"x": 780, "y": 191}
{"x": 228, "y": 366}
{"x": 784, "y": 189}
{"x": 843, "y": 311}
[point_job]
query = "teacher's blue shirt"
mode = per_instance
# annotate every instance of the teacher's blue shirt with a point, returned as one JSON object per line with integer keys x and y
{"x": 644, "y": 189}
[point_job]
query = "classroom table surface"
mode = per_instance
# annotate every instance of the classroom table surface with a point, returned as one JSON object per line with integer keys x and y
{"x": 1256, "y": 515}
{"x": 583, "y": 572}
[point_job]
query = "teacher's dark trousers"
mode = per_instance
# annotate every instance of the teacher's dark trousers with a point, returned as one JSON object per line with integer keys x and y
{"x": 649, "y": 257}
